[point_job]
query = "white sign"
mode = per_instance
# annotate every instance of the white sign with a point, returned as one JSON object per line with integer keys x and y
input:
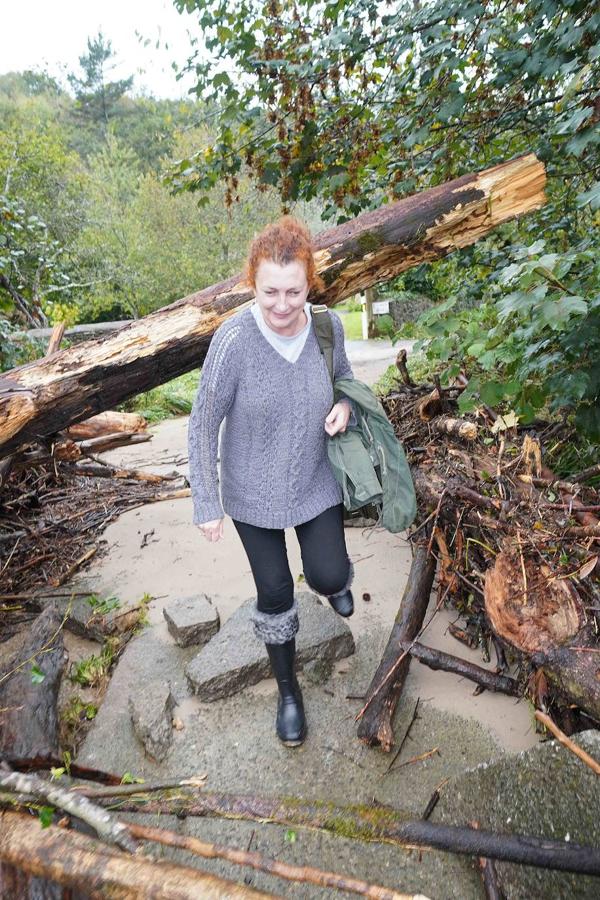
{"x": 380, "y": 307}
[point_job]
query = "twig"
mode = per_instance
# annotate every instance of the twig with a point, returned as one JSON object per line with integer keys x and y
{"x": 420, "y": 757}
{"x": 567, "y": 742}
{"x": 413, "y": 719}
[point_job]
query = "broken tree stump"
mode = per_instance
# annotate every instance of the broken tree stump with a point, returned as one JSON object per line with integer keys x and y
{"x": 44, "y": 397}
{"x": 375, "y": 727}
{"x": 543, "y": 618}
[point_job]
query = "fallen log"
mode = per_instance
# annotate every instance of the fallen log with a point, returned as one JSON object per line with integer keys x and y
{"x": 379, "y": 823}
{"x": 46, "y": 396}
{"x": 77, "y": 861}
{"x": 437, "y": 659}
{"x": 375, "y": 727}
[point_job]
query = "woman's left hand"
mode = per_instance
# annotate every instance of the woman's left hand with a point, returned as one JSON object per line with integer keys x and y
{"x": 338, "y": 418}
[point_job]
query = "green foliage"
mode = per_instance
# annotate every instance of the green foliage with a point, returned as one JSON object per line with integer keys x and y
{"x": 93, "y": 670}
{"x": 358, "y": 102}
{"x": 97, "y": 98}
{"x": 102, "y": 606}
{"x": 533, "y": 341}
{"x": 172, "y": 399}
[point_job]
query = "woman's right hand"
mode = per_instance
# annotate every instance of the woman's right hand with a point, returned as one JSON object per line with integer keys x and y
{"x": 212, "y": 531}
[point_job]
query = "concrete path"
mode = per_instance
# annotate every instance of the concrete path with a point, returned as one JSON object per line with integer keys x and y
{"x": 155, "y": 549}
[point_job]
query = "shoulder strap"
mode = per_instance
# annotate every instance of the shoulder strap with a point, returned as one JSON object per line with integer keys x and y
{"x": 323, "y": 328}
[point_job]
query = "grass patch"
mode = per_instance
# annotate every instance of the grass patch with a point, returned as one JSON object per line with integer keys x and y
{"x": 174, "y": 398}
{"x": 352, "y": 323}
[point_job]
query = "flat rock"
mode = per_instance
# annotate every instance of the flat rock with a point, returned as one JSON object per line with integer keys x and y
{"x": 545, "y": 792}
{"x": 191, "y": 620}
{"x": 151, "y": 710}
{"x": 236, "y": 658}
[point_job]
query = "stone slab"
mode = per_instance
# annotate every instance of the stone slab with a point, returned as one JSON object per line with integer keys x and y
{"x": 545, "y": 792}
{"x": 236, "y": 658}
{"x": 191, "y": 620}
{"x": 151, "y": 707}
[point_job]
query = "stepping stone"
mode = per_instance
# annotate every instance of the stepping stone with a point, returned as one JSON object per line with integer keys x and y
{"x": 236, "y": 658}
{"x": 151, "y": 711}
{"x": 191, "y": 620}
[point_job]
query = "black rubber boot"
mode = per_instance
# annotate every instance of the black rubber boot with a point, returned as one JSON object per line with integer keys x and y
{"x": 291, "y": 722}
{"x": 343, "y": 603}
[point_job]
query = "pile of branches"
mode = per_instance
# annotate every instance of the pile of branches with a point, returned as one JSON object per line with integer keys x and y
{"x": 516, "y": 551}
{"x": 56, "y": 498}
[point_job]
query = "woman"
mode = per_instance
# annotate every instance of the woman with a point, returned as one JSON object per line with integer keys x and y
{"x": 265, "y": 375}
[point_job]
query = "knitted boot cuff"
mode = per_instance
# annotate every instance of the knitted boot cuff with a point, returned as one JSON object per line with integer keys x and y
{"x": 276, "y": 628}
{"x": 348, "y": 583}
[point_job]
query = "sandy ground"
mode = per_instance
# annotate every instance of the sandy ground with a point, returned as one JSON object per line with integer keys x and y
{"x": 156, "y": 550}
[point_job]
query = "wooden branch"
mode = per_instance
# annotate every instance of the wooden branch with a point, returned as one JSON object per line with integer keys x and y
{"x": 55, "y": 338}
{"x": 44, "y": 397}
{"x": 376, "y": 717}
{"x": 567, "y": 742}
{"x": 301, "y": 874}
{"x": 81, "y": 862}
{"x": 402, "y": 368}
{"x": 437, "y": 659}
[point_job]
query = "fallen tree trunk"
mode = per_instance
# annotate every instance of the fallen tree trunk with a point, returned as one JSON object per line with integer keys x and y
{"x": 375, "y": 727}
{"x": 44, "y": 397}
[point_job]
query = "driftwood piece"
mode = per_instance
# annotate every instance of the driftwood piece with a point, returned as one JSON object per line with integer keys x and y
{"x": 55, "y": 339}
{"x": 44, "y": 397}
{"x": 437, "y": 659}
{"x": 84, "y": 863}
{"x": 375, "y": 727}
{"x": 380, "y": 823}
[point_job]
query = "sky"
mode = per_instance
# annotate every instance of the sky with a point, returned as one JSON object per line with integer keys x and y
{"x": 52, "y": 34}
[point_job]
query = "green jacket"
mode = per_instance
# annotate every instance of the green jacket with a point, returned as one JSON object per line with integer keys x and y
{"x": 368, "y": 459}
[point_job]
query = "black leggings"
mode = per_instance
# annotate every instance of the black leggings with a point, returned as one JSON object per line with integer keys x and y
{"x": 324, "y": 558}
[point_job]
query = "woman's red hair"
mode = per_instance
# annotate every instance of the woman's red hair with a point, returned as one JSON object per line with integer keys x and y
{"x": 283, "y": 242}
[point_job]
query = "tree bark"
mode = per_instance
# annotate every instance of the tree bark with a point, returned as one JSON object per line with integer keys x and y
{"x": 81, "y": 862}
{"x": 46, "y": 396}
{"x": 29, "y": 721}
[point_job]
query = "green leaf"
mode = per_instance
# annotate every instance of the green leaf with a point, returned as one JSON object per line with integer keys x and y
{"x": 37, "y": 676}
{"x": 45, "y": 815}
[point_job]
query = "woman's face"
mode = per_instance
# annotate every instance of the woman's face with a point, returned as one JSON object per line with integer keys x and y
{"x": 281, "y": 293}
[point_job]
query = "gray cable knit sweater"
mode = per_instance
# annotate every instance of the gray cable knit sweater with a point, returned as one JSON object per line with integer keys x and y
{"x": 275, "y": 471}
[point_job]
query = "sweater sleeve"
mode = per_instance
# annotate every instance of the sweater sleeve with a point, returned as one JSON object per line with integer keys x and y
{"x": 214, "y": 397}
{"x": 341, "y": 364}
